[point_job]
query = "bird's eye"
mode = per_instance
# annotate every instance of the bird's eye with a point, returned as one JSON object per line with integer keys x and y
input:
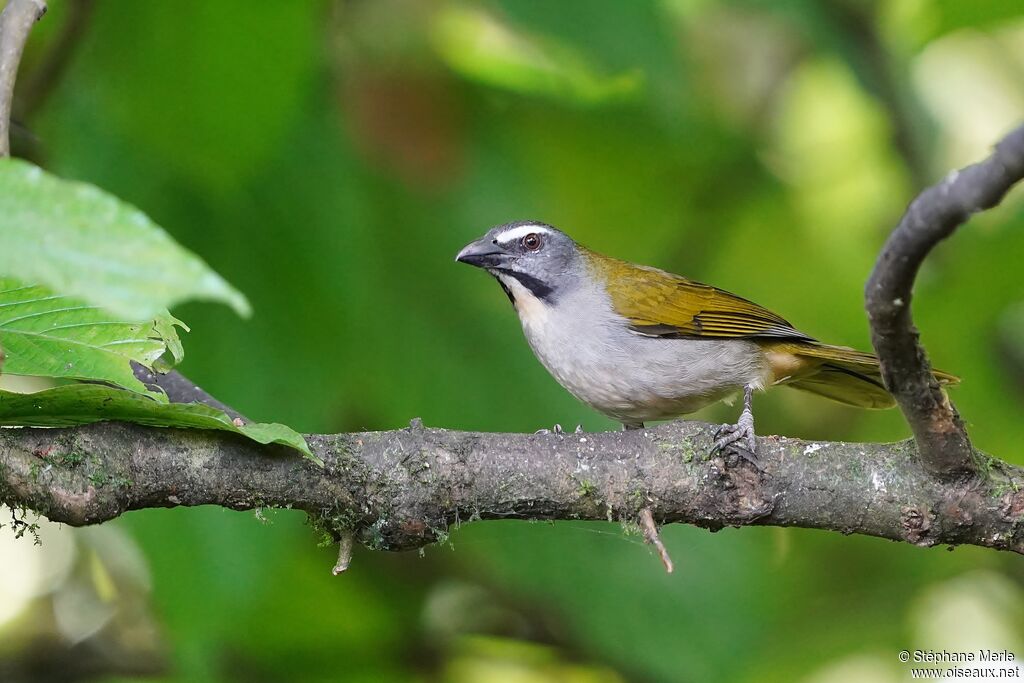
{"x": 532, "y": 242}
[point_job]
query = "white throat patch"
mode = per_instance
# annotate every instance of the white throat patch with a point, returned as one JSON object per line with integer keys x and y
{"x": 532, "y": 311}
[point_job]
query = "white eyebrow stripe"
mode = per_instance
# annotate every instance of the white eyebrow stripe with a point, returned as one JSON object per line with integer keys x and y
{"x": 520, "y": 231}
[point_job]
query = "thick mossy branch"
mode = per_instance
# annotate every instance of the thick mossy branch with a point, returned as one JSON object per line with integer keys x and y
{"x": 402, "y": 489}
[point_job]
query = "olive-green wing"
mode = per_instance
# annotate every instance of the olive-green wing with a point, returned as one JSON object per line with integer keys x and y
{"x": 660, "y": 304}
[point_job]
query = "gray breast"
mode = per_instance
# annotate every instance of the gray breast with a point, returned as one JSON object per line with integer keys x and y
{"x": 588, "y": 348}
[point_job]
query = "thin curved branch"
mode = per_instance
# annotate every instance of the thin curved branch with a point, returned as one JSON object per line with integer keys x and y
{"x": 402, "y": 489}
{"x": 16, "y": 21}
{"x": 933, "y": 216}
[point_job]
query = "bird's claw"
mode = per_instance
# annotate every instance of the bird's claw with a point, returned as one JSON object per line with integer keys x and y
{"x": 738, "y": 442}
{"x": 727, "y": 437}
{"x": 737, "y": 439}
{"x": 557, "y": 429}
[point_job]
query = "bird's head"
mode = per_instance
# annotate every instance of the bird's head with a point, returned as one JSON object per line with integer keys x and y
{"x": 533, "y": 256}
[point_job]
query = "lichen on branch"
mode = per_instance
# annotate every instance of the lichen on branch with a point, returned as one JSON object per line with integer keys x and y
{"x": 403, "y": 489}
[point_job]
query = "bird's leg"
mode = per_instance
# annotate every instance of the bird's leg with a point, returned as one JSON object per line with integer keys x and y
{"x": 629, "y": 426}
{"x": 728, "y": 435}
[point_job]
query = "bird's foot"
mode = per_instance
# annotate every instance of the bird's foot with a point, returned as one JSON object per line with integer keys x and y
{"x": 557, "y": 429}
{"x": 737, "y": 439}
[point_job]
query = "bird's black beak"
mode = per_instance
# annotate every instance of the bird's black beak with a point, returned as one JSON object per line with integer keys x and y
{"x": 483, "y": 253}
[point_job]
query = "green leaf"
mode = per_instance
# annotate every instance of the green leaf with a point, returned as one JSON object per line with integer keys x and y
{"x": 50, "y": 335}
{"x": 77, "y": 404}
{"x": 164, "y": 325}
{"x": 80, "y": 241}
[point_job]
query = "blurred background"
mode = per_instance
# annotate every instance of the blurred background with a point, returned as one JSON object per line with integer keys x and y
{"x": 330, "y": 158}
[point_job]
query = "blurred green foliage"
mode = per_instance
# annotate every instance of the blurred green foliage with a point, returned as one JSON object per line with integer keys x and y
{"x": 329, "y": 159}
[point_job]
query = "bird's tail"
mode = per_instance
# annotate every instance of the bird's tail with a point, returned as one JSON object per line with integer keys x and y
{"x": 849, "y": 376}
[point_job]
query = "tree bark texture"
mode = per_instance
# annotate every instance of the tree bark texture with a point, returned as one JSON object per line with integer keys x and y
{"x": 932, "y": 217}
{"x": 403, "y": 489}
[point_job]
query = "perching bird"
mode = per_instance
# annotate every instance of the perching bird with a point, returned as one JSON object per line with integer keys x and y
{"x": 638, "y": 344}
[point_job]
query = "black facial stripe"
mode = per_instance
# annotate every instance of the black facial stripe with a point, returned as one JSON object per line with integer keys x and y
{"x": 536, "y": 287}
{"x": 508, "y": 292}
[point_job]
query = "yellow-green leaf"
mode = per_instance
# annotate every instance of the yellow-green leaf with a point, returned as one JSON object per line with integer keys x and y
{"x": 80, "y": 241}
{"x": 50, "y": 335}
